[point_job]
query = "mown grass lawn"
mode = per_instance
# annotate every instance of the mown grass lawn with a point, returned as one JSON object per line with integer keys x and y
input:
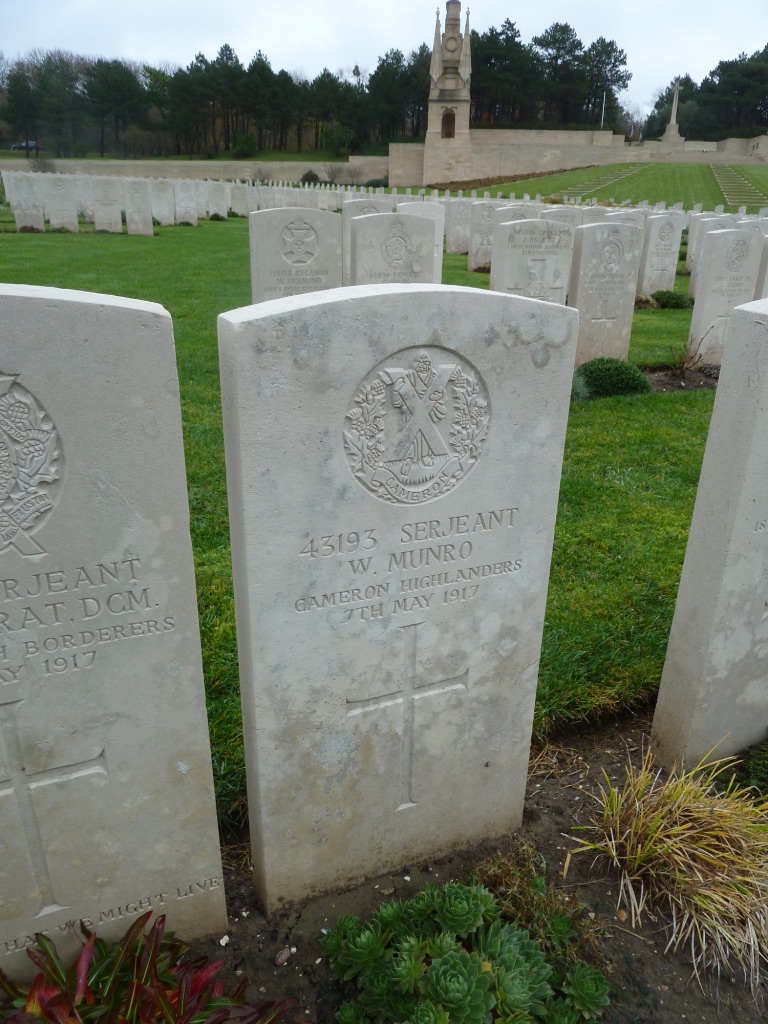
{"x": 629, "y": 480}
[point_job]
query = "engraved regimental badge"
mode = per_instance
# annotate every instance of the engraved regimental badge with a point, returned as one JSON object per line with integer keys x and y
{"x": 417, "y": 425}
{"x": 396, "y": 247}
{"x": 613, "y": 252}
{"x": 299, "y": 242}
{"x": 30, "y": 462}
{"x": 737, "y": 255}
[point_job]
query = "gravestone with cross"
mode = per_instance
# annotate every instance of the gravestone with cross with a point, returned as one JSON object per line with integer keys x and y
{"x": 603, "y": 282}
{"x": 294, "y": 251}
{"x": 393, "y": 460}
{"x": 727, "y": 268}
{"x": 532, "y": 258}
{"x": 713, "y": 700}
{"x": 106, "y": 796}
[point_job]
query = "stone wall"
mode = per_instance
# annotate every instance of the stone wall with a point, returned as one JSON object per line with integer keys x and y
{"x": 496, "y": 154}
{"x": 361, "y": 168}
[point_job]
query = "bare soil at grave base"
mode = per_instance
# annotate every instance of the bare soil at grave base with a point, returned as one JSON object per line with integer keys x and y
{"x": 283, "y": 957}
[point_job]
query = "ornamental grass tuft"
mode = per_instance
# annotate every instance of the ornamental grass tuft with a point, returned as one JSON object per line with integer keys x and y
{"x": 694, "y": 847}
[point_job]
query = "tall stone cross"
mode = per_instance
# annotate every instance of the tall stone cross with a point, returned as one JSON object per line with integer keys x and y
{"x": 407, "y": 695}
{"x": 18, "y": 779}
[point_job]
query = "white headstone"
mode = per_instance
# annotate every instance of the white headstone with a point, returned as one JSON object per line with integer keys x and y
{"x": 393, "y": 248}
{"x": 106, "y": 792}
{"x": 457, "y": 214}
{"x": 727, "y": 269}
{"x": 408, "y": 442}
{"x": 661, "y": 250}
{"x": 26, "y": 198}
{"x": 138, "y": 206}
{"x": 294, "y": 251}
{"x": 481, "y": 225}
{"x": 713, "y": 700}
{"x": 108, "y": 202}
{"x": 61, "y": 202}
{"x": 357, "y": 207}
{"x": 436, "y": 213}
{"x": 185, "y": 194}
{"x": 163, "y": 202}
{"x": 606, "y": 261}
{"x": 532, "y": 258}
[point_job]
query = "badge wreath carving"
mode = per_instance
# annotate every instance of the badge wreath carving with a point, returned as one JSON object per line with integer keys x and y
{"x": 30, "y": 459}
{"x": 417, "y": 426}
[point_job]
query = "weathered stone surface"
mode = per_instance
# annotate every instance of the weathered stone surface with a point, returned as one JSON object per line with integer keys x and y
{"x": 661, "y": 251}
{"x": 60, "y": 199}
{"x": 108, "y": 195}
{"x": 26, "y": 198}
{"x": 393, "y": 463}
{"x": 726, "y": 268}
{"x": 358, "y": 208}
{"x": 185, "y": 194}
{"x": 457, "y": 215}
{"x": 294, "y": 251}
{"x": 532, "y": 258}
{"x": 138, "y": 206}
{"x": 393, "y": 248}
{"x": 163, "y": 202}
{"x": 606, "y": 261}
{"x": 106, "y": 795}
{"x": 435, "y": 212}
{"x": 481, "y": 225}
{"x": 714, "y": 690}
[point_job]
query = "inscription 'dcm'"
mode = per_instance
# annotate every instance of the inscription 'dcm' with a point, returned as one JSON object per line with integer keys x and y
{"x": 30, "y": 463}
{"x": 417, "y": 425}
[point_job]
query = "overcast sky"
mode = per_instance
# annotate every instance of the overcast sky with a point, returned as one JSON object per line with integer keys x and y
{"x": 661, "y": 39}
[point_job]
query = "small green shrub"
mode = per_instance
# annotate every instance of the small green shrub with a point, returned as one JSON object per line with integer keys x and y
{"x": 217, "y": 216}
{"x": 309, "y": 177}
{"x": 672, "y": 300}
{"x": 377, "y": 183}
{"x": 603, "y": 377}
{"x": 244, "y": 146}
{"x": 445, "y": 956}
{"x": 142, "y": 979}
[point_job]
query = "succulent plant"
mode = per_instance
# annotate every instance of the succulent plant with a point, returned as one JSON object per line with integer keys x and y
{"x": 460, "y": 982}
{"x": 462, "y": 908}
{"x": 427, "y": 1012}
{"x": 587, "y": 989}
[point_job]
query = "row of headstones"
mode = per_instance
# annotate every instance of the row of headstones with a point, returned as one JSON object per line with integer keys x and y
{"x": 393, "y": 462}
{"x": 60, "y": 199}
{"x": 591, "y": 258}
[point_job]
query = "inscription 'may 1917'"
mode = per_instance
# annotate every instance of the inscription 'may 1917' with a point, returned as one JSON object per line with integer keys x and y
{"x": 417, "y": 425}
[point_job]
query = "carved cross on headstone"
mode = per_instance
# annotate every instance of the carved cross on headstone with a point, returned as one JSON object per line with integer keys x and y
{"x": 603, "y": 321}
{"x": 23, "y": 782}
{"x": 722, "y": 325}
{"x": 407, "y": 695}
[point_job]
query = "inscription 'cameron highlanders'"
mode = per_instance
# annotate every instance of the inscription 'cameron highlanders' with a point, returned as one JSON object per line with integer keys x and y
{"x": 408, "y": 439}
{"x": 96, "y": 734}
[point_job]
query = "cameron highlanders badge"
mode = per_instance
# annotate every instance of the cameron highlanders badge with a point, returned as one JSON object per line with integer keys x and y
{"x": 29, "y": 478}
{"x": 417, "y": 425}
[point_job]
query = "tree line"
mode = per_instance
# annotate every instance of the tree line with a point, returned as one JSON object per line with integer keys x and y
{"x": 73, "y": 105}
{"x": 731, "y": 101}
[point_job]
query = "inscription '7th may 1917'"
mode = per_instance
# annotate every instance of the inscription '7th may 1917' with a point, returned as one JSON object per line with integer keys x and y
{"x": 435, "y": 564}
